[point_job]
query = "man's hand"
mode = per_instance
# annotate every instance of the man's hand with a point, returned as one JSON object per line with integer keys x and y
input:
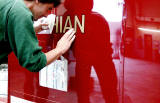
{"x": 40, "y": 24}
{"x": 65, "y": 42}
{"x": 62, "y": 46}
{"x": 40, "y": 27}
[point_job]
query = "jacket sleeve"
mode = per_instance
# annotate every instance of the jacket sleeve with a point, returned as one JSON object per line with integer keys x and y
{"x": 23, "y": 40}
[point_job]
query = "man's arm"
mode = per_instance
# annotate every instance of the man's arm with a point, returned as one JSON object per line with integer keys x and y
{"x": 62, "y": 46}
{"x": 24, "y": 43}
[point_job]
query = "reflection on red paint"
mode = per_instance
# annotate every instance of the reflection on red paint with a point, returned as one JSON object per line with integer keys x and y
{"x": 92, "y": 48}
{"x": 141, "y": 52}
{"x": 133, "y": 76}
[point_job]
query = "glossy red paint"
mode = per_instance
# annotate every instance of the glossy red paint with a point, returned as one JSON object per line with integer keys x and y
{"x": 141, "y": 40}
{"x": 131, "y": 74}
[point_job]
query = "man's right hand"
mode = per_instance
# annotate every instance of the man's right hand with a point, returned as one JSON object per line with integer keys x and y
{"x": 62, "y": 46}
{"x": 65, "y": 42}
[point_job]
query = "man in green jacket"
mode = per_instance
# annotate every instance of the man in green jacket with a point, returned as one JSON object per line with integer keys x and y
{"x": 17, "y": 33}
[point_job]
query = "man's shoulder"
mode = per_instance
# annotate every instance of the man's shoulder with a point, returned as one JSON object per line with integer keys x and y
{"x": 20, "y": 9}
{"x": 5, "y": 5}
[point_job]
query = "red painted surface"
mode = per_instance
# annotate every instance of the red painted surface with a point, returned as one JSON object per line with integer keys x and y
{"x": 141, "y": 52}
{"x": 130, "y": 75}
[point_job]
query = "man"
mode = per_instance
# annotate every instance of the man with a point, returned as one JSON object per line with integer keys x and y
{"x": 92, "y": 50}
{"x": 17, "y": 33}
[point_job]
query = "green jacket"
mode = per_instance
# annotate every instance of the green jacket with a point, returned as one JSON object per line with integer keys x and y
{"x": 17, "y": 34}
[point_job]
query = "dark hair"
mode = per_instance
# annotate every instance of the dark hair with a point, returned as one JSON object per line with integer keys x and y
{"x": 55, "y": 2}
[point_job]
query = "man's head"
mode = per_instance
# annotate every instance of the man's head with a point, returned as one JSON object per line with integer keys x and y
{"x": 41, "y": 8}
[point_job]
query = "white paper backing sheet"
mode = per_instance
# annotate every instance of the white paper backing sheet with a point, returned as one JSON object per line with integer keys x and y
{"x": 55, "y": 75}
{"x": 19, "y": 100}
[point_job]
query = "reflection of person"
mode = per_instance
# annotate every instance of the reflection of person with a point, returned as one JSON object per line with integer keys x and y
{"x": 17, "y": 33}
{"x": 92, "y": 48}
